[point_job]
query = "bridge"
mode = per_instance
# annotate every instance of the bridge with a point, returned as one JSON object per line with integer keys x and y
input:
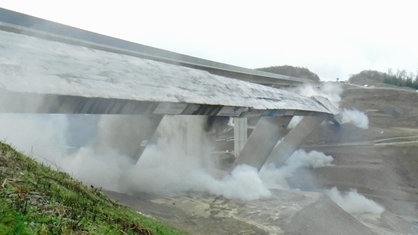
{"x": 46, "y": 67}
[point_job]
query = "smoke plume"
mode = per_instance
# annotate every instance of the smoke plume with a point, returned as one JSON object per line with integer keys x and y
{"x": 355, "y": 117}
{"x": 277, "y": 177}
{"x": 175, "y": 164}
{"x": 169, "y": 165}
{"x": 330, "y": 90}
{"x": 353, "y": 202}
{"x": 40, "y": 136}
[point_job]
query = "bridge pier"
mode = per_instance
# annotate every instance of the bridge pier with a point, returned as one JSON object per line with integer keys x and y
{"x": 289, "y": 144}
{"x": 262, "y": 140}
{"x": 240, "y": 134}
{"x": 272, "y": 143}
{"x": 128, "y": 134}
{"x": 184, "y": 134}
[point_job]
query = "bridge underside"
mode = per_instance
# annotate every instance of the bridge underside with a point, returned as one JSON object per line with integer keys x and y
{"x": 271, "y": 141}
{"x": 267, "y": 139}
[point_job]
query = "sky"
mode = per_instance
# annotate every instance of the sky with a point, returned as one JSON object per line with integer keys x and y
{"x": 334, "y": 39}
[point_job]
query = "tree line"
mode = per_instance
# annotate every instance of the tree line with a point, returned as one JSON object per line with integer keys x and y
{"x": 293, "y": 71}
{"x": 399, "y": 78}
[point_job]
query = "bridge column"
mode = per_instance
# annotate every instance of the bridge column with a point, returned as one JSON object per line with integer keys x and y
{"x": 283, "y": 150}
{"x": 240, "y": 135}
{"x": 183, "y": 134}
{"x": 128, "y": 134}
{"x": 262, "y": 140}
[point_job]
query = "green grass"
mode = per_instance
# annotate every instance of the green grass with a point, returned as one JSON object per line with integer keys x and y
{"x": 35, "y": 199}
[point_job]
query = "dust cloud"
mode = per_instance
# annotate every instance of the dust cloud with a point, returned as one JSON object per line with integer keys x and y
{"x": 276, "y": 177}
{"x": 164, "y": 168}
{"x": 332, "y": 91}
{"x": 176, "y": 164}
{"x": 353, "y": 202}
{"x": 355, "y": 117}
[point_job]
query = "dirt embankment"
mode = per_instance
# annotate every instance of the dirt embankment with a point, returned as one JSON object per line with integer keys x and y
{"x": 380, "y": 162}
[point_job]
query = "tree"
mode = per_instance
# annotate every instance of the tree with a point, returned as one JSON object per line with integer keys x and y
{"x": 292, "y": 71}
{"x": 401, "y": 78}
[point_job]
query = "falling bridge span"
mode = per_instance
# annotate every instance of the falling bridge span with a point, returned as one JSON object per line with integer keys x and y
{"x": 47, "y": 67}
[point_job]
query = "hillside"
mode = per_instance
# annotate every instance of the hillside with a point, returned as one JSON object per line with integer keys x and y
{"x": 376, "y": 78}
{"x": 380, "y": 161}
{"x": 34, "y": 199}
{"x": 292, "y": 71}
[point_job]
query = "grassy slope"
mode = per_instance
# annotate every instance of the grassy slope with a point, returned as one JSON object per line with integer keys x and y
{"x": 34, "y": 199}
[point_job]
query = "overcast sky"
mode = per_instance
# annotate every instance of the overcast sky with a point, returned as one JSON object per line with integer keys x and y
{"x": 331, "y": 38}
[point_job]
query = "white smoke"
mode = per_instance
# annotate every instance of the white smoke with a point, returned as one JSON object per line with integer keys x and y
{"x": 165, "y": 166}
{"x": 330, "y": 90}
{"x": 40, "y": 136}
{"x": 353, "y": 202}
{"x": 101, "y": 170}
{"x": 245, "y": 183}
{"x": 43, "y": 137}
{"x": 312, "y": 159}
{"x": 168, "y": 167}
{"x": 355, "y": 117}
{"x": 277, "y": 177}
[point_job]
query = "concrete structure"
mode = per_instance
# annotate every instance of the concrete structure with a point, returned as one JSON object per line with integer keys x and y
{"x": 240, "y": 135}
{"x": 86, "y": 73}
{"x": 21, "y": 23}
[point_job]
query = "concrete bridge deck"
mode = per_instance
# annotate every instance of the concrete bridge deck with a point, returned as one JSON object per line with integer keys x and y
{"x": 69, "y": 74}
{"x": 52, "y": 68}
{"x": 29, "y": 25}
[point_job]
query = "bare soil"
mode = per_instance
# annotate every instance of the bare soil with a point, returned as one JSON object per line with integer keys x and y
{"x": 382, "y": 161}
